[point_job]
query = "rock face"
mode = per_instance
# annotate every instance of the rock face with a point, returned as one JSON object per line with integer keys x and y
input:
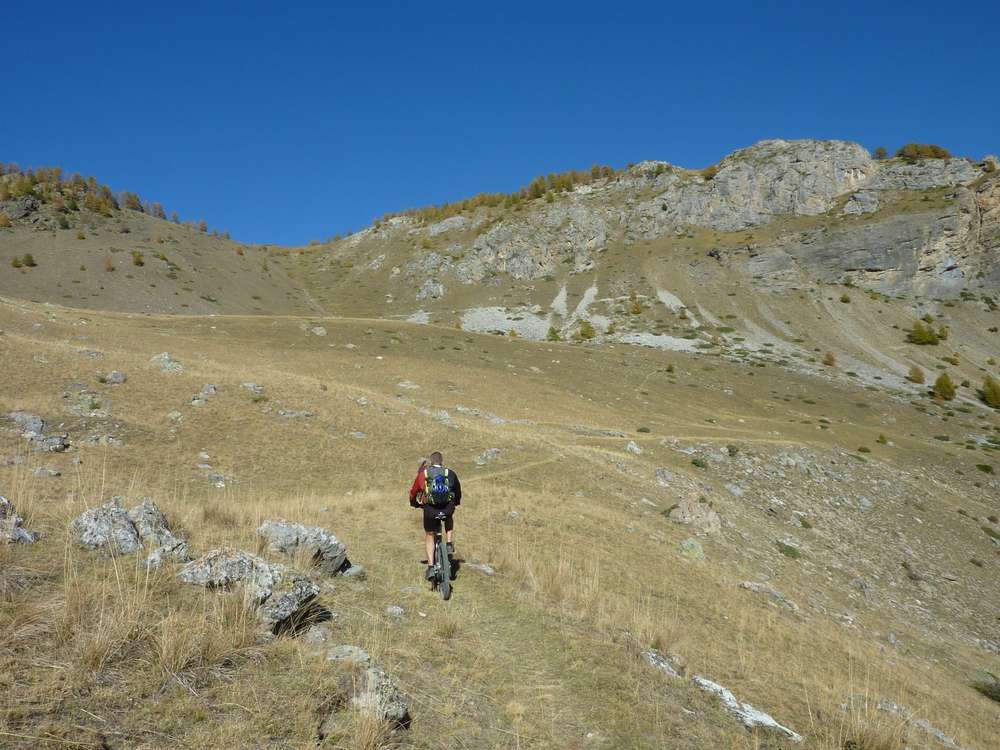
{"x": 33, "y": 430}
{"x": 113, "y": 530}
{"x": 283, "y": 599}
{"x": 884, "y": 233}
{"x": 12, "y": 529}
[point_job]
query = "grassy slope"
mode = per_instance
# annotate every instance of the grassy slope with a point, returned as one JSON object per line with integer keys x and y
{"x": 537, "y": 656}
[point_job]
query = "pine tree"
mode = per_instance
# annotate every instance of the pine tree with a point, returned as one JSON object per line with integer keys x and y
{"x": 944, "y": 388}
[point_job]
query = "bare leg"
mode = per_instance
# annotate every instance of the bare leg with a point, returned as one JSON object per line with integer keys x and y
{"x": 449, "y": 536}
{"x": 429, "y": 547}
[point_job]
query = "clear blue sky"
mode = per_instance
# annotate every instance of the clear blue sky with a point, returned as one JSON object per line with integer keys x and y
{"x": 284, "y": 122}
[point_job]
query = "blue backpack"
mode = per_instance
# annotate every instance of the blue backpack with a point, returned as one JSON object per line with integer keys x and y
{"x": 437, "y": 486}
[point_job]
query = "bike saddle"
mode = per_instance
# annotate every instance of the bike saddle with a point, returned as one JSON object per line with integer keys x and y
{"x": 441, "y": 516}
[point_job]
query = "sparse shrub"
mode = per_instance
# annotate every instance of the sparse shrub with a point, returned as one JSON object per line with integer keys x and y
{"x": 922, "y": 335}
{"x": 15, "y": 262}
{"x": 880, "y": 152}
{"x": 990, "y": 688}
{"x": 845, "y": 298}
{"x": 732, "y": 450}
{"x": 942, "y": 333}
{"x": 708, "y": 173}
{"x": 943, "y": 387}
{"x": 553, "y": 334}
{"x": 990, "y": 532}
{"x": 137, "y": 259}
{"x": 63, "y": 222}
{"x": 670, "y": 368}
{"x": 80, "y": 235}
{"x": 202, "y": 226}
{"x": 635, "y": 308}
{"x": 699, "y": 462}
{"x": 788, "y": 550}
{"x": 864, "y": 449}
{"x": 512, "y": 333}
{"x": 882, "y": 439}
{"x": 643, "y": 429}
{"x": 829, "y": 359}
{"x": 29, "y": 260}
{"x": 4, "y": 220}
{"x": 989, "y": 166}
{"x": 990, "y": 393}
{"x": 916, "y": 151}
{"x": 915, "y": 375}
{"x": 985, "y": 468}
{"x": 109, "y": 265}
{"x": 586, "y": 331}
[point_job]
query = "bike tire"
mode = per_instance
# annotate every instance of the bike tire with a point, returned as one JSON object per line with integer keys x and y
{"x": 444, "y": 585}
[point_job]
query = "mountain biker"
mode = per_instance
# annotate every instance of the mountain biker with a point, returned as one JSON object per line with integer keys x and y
{"x": 443, "y": 501}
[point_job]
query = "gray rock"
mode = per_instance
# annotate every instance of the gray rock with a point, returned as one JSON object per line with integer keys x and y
{"x": 657, "y": 660}
{"x": 862, "y": 202}
{"x": 107, "y": 528}
{"x": 355, "y": 571}
{"x": 750, "y": 717}
{"x": 431, "y": 289}
{"x": 287, "y": 604}
{"x": 691, "y": 549}
{"x": 697, "y": 514}
{"x": 451, "y": 224}
{"x": 293, "y": 414}
{"x": 735, "y": 490}
{"x": 166, "y": 363}
{"x": 224, "y": 568}
{"x": 175, "y": 416}
{"x": 484, "y": 568}
{"x": 490, "y": 454}
{"x": 12, "y": 529}
{"x": 664, "y": 477}
{"x": 324, "y": 549}
{"x": 209, "y": 389}
{"x": 32, "y": 426}
{"x": 155, "y": 533}
{"x": 351, "y": 654}
{"x": 115, "y": 377}
{"x": 44, "y": 472}
{"x": 254, "y": 388}
{"x": 368, "y": 688}
{"x": 318, "y": 331}
{"x": 20, "y": 207}
{"x": 198, "y": 401}
{"x": 633, "y": 447}
{"x": 394, "y": 610}
{"x": 777, "y": 596}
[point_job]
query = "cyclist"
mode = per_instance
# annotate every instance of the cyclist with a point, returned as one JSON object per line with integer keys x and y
{"x": 437, "y": 490}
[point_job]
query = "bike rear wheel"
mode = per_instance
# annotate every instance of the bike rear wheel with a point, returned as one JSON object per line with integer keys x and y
{"x": 444, "y": 570}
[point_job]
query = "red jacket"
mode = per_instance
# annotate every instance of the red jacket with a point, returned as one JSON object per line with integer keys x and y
{"x": 419, "y": 486}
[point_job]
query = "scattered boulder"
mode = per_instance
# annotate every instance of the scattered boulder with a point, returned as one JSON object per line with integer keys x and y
{"x": 284, "y": 600}
{"x": 12, "y": 529}
{"x": 691, "y": 549}
{"x": 484, "y": 568}
{"x": 318, "y": 331}
{"x": 760, "y": 588}
{"x": 153, "y": 529}
{"x": 254, "y": 388}
{"x": 166, "y": 363}
{"x": 747, "y": 714}
{"x": 293, "y": 414}
{"x": 633, "y": 447}
{"x": 664, "y": 477}
{"x": 365, "y": 686}
{"x": 326, "y": 552}
{"x": 115, "y": 377}
{"x": 697, "y": 514}
{"x": 394, "y": 610}
{"x": 32, "y": 426}
{"x": 490, "y": 454}
{"x": 209, "y": 389}
{"x": 113, "y": 530}
{"x": 47, "y": 473}
{"x": 355, "y": 571}
{"x": 107, "y": 528}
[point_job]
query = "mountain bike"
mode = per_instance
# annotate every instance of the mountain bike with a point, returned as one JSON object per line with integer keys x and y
{"x": 441, "y": 582}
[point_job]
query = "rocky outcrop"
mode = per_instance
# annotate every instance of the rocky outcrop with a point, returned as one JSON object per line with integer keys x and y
{"x": 112, "y": 530}
{"x": 33, "y": 429}
{"x": 166, "y": 363}
{"x": 696, "y": 514}
{"x": 749, "y": 716}
{"x": 282, "y": 598}
{"x": 12, "y": 529}
{"x": 327, "y": 553}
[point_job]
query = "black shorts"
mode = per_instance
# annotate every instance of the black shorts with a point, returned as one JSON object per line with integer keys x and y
{"x": 431, "y": 523}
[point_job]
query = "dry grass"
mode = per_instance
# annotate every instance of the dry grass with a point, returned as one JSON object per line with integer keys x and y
{"x": 539, "y": 655}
